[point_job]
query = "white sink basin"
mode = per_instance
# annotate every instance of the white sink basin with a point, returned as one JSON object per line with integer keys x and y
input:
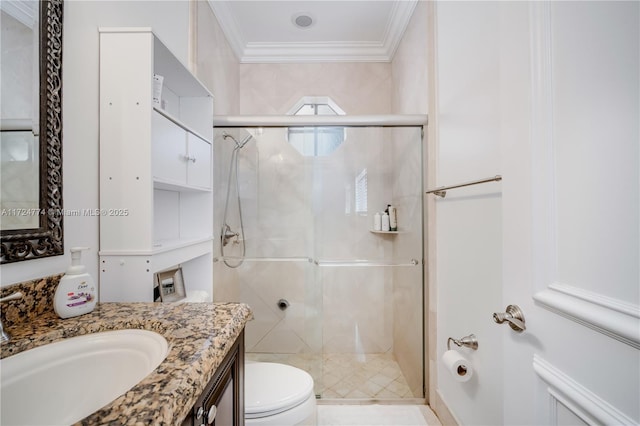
{"x": 65, "y": 381}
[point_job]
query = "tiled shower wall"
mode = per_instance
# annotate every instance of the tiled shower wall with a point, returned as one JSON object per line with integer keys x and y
{"x": 307, "y": 197}
{"x": 218, "y": 68}
{"x": 410, "y": 96}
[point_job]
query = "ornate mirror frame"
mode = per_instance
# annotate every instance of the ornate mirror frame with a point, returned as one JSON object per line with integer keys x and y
{"x": 47, "y": 239}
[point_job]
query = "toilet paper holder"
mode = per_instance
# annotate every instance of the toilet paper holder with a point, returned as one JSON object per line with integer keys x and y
{"x": 470, "y": 341}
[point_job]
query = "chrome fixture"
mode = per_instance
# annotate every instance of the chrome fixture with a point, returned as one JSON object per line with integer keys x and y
{"x": 513, "y": 316}
{"x": 470, "y": 341}
{"x": 240, "y": 144}
{"x": 442, "y": 191}
{"x": 226, "y": 233}
{"x": 229, "y": 234}
{"x": 283, "y": 304}
{"x": 4, "y": 336}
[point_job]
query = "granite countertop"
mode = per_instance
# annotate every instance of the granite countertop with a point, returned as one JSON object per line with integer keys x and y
{"x": 199, "y": 336}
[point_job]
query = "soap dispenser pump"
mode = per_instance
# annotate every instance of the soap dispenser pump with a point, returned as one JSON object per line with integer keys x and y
{"x": 76, "y": 292}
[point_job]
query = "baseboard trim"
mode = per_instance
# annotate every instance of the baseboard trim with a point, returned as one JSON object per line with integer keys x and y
{"x": 441, "y": 409}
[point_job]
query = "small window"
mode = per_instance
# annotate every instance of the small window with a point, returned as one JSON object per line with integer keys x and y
{"x": 361, "y": 192}
{"x": 316, "y": 141}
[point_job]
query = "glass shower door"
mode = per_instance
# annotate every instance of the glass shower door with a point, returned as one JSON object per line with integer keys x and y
{"x": 329, "y": 295}
{"x": 372, "y": 281}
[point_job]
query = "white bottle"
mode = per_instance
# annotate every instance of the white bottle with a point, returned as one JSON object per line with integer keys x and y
{"x": 377, "y": 222}
{"x": 393, "y": 218}
{"x": 385, "y": 222}
{"x": 76, "y": 292}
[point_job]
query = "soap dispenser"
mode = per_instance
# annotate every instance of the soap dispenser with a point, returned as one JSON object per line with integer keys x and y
{"x": 76, "y": 292}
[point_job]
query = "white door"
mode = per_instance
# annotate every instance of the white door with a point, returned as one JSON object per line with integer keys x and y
{"x": 570, "y": 152}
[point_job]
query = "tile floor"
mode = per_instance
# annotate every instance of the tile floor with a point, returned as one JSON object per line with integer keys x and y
{"x": 349, "y": 376}
{"x": 378, "y": 415}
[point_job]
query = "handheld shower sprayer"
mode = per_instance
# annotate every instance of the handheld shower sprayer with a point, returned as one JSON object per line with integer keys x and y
{"x": 244, "y": 141}
{"x": 227, "y": 235}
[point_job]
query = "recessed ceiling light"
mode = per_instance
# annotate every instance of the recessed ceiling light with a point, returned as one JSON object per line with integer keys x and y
{"x": 302, "y": 20}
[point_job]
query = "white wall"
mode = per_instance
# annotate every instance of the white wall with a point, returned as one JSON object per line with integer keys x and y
{"x": 170, "y": 21}
{"x": 468, "y": 220}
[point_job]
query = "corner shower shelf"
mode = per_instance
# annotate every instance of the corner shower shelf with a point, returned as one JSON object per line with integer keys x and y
{"x": 373, "y": 231}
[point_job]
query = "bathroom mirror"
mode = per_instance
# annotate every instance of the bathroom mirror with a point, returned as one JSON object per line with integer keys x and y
{"x": 31, "y": 131}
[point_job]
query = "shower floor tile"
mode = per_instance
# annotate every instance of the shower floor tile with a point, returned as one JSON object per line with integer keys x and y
{"x": 361, "y": 376}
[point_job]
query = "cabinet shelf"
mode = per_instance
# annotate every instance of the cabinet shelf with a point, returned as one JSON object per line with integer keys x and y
{"x": 159, "y": 247}
{"x": 168, "y": 185}
{"x": 170, "y": 254}
{"x": 163, "y": 246}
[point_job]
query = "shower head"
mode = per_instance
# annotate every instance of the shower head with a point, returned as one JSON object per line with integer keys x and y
{"x": 239, "y": 145}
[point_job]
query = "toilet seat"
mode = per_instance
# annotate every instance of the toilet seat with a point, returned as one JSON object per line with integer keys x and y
{"x": 272, "y": 388}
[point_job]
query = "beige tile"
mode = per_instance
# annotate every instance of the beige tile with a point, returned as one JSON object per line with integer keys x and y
{"x": 338, "y": 375}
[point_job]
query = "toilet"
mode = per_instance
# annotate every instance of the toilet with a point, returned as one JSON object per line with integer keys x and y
{"x": 196, "y": 297}
{"x": 278, "y": 395}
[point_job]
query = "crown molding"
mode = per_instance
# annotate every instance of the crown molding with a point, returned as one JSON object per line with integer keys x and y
{"x": 314, "y": 52}
{"x": 288, "y": 52}
{"x": 397, "y": 25}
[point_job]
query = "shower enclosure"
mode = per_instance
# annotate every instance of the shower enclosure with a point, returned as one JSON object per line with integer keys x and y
{"x": 295, "y": 207}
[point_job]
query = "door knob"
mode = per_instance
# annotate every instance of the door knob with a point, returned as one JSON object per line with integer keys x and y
{"x": 513, "y": 316}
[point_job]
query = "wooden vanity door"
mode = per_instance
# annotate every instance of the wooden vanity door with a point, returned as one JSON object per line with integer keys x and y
{"x": 222, "y": 401}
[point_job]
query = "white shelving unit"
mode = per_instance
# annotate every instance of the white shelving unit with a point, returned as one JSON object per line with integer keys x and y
{"x": 155, "y": 168}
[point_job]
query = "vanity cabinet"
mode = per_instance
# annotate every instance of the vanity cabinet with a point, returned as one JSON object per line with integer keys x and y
{"x": 156, "y": 199}
{"x": 222, "y": 401}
